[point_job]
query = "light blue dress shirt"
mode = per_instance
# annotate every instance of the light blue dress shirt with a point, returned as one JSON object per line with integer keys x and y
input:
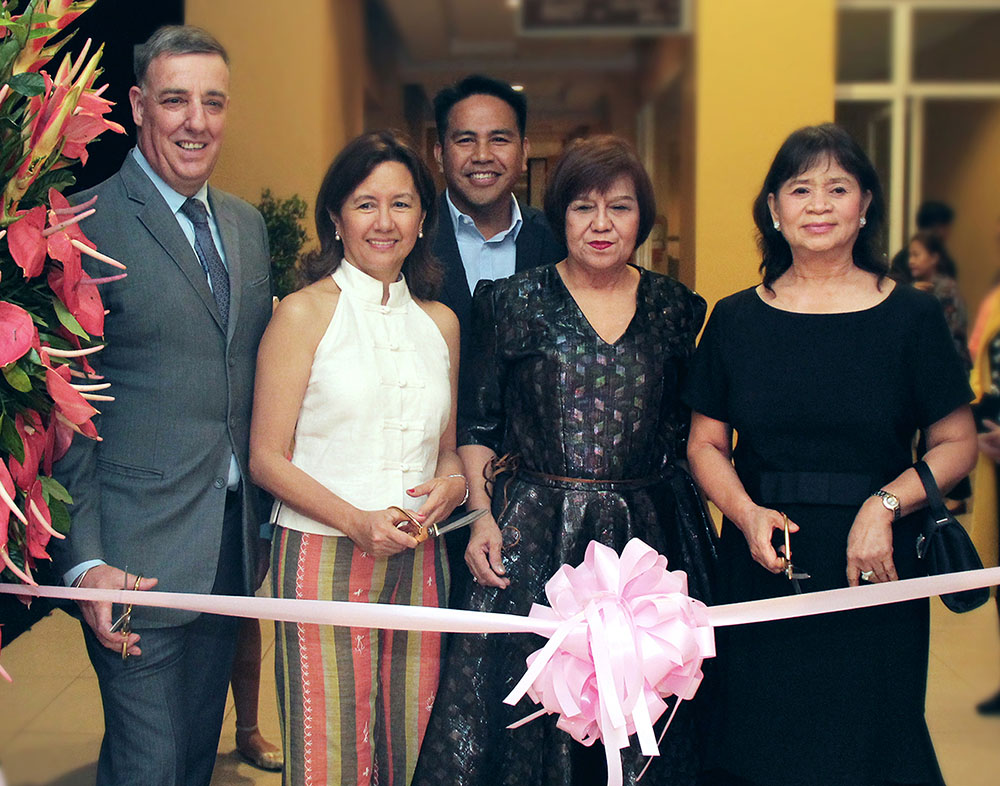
{"x": 485, "y": 259}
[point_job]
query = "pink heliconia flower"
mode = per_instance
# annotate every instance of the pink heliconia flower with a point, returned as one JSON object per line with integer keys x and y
{"x": 27, "y": 243}
{"x": 36, "y": 53}
{"x": 7, "y": 492}
{"x": 17, "y": 332}
{"x": 32, "y": 433}
{"x": 54, "y": 119}
{"x": 69, "y": 403}
{"x": 39, "y": 530}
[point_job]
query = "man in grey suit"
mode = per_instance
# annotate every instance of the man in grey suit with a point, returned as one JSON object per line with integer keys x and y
{"x": 483, "y": 231}
{"x": 166, "y": 495}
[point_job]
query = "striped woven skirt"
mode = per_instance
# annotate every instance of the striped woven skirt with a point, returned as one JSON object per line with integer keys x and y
{"x": 354, "y": 702}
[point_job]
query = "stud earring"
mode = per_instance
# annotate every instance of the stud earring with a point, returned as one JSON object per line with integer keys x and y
{"x": 863, "y": 221}
{"x": 777, "y": 225}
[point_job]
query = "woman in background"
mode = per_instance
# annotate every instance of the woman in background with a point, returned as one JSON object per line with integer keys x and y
{"x": 360, "y": 368}
{"x": 934, "y": 271}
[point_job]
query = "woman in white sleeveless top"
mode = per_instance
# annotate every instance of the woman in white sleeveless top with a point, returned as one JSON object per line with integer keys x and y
{"x": 359, "y": 370}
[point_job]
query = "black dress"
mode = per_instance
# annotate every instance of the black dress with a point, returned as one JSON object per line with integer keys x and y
{"x": 825, "y": 407}
{"x": 548, "y": 389}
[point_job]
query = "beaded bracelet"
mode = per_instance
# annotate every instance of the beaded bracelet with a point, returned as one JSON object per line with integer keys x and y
{"x": 466, "y": 481}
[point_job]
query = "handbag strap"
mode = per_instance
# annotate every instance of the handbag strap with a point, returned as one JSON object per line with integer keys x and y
{"x": 934, "y": 501}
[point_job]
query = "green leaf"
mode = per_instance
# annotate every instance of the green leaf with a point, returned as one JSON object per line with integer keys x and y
{"x": 60, "y": 516}
{"x": 10, "y": 439}
{"x": 9, "y": 51}
{"x": 52, "y": 489}
{"x": 68, "y": 320}
{"x": 16, "y": 377}
{"x": 27, "y": 84}
{"x": 59, "y": 179}
{"x": 42, "y": 32}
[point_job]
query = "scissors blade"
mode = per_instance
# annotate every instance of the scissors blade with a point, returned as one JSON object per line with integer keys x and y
{"x": 462, "y": 521}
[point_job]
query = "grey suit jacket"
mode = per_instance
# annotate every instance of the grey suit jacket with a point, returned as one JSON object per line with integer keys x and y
{"x": 150, "y": 496}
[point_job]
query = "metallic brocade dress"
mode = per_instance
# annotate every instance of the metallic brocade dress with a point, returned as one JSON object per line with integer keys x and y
{"x": 596, "y": 429}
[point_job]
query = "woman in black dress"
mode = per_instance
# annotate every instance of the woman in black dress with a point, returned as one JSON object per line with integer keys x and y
{"x": 826, "y": 371}
{"x": 576, "y": 371}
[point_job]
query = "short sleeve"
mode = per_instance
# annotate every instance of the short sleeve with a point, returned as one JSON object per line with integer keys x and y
{"x": 481, "y": 417}
{"x": 939, "y": 383}
{"x": 707, "y": 387}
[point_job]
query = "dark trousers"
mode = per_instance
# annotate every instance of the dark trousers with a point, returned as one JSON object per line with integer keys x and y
{"x": 163, "y": 710}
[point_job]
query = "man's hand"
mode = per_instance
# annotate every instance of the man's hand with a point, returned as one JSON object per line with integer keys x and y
{"x": 97, "y": 614}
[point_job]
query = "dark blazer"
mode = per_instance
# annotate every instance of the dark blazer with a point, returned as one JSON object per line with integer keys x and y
{"x": 150, "y": 496}
{"x": 535, "y": 245}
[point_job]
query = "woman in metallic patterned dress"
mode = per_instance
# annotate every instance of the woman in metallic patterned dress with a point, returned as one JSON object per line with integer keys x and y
{"x": 574, "y": 377}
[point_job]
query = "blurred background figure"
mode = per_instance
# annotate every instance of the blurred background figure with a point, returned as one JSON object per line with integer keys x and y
{"x": 933, "y": 219}
{"x": 985, "y": 348}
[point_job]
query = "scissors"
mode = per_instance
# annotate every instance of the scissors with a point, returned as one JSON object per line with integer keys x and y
{"x": 790, "y": 572}
{"x": 420, "y": 532}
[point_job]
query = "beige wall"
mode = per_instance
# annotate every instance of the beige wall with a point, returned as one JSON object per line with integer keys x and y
{"x": 763, "y": 69}
{"x": 298, "y": 81}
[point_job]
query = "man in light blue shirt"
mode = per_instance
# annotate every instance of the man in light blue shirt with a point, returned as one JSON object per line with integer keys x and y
{"x": 483, "y": 232}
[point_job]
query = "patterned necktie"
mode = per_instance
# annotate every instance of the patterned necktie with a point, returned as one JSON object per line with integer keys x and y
{"x": 209, "y": 255}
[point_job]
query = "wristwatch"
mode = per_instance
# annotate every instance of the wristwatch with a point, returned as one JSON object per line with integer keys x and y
{"x": 890, "y": 500}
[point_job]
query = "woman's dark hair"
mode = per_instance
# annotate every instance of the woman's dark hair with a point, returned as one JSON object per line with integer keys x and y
{"x": 594, "y": 164}
{"x": 803, "y": 149}
{"x": 935, "y": 246}
{"x": 351, "y": 168}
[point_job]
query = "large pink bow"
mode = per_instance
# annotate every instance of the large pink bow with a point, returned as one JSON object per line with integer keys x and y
{"x": 629, "y": 636}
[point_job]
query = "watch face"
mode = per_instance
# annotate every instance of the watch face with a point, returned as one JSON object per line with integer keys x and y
{"x": 891, "y": 501}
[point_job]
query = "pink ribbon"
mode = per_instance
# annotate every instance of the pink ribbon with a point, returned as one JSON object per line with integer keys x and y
{"x": 623, "y": 633}
{"x": 628, "y": 636}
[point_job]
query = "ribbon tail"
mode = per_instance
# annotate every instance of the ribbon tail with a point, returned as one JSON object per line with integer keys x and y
{"x": 528, "y": 719}
{"x": 544, "y": 656}
{"x": 644, "y": 728}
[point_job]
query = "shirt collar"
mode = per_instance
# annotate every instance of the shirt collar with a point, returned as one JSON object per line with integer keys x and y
{"x": 173, "y": 199}
{"x": 460, "y": 219}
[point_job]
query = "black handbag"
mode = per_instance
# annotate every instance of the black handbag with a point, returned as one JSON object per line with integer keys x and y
{"x": 945, "y": 547}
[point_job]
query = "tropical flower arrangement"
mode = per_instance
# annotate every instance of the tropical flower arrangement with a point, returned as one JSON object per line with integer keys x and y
{"x": 51, "y": 314}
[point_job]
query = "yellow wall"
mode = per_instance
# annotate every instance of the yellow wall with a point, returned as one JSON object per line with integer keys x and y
{"x": 763, "y": 69}
{"x": 298, "y": 78}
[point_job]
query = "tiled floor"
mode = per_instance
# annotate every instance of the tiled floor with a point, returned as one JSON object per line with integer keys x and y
{"x": 51, "y": 725}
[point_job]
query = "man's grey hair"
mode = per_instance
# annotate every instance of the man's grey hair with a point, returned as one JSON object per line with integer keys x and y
{"x": 175, "y": 40}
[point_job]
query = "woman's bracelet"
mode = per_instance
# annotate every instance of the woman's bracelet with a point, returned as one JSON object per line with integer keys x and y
{"x": 466, "y": 481}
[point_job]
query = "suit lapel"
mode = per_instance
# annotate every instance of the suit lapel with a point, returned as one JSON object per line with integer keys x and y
{"x": 161, "y": 223}
{"x": 455, "y": 291}
{"x": 231, "y": 245}
{"x": 526, "y": 250}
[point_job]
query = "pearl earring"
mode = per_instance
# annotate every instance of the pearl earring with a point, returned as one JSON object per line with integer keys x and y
{"x": 336, "y": 235}
{"x": 777, "y": 225}
{"x": 863, "y": 221}
{"x": 420, "y": 233}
